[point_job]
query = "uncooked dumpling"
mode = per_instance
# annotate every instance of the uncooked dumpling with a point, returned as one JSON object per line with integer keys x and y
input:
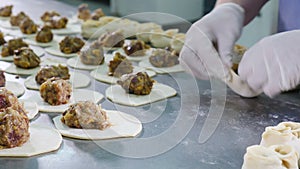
{"x": 274, "y": 157}
{"x": 286, "y": 133}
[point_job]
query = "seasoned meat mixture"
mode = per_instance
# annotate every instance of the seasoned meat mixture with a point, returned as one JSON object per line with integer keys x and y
{"x": 47, "y": 72}
{"x": 86, "y": 115}
{"x": 119, "y": 66}
{"x": 71, "y": 45}
{"x": 138, "y": 84}
{"x": 12, "y": 45}
{"x": 238, "y": 52}
{"x": 48, "y": 15}
{"x": 8, "y": 99}
{"x": 16, "y": 20}
{"x": 26, "y": 58}
{"x": 45, "y": 35}
{"x": 83, "y": 12}
{"x": 57, "y": 22}
{"x": 2, "y": 79}
{"x": 97, "y": 14}
{"x": 135, "y": 48}
{"x": 27, "y": 26}
{"x": 93, "y": 54}
{"x": 6, "y": 11}
{"x": 56, "y": 91}
{"x": 113, "y": 39}
{"x": 2, "y": 40}
{"x": 14, "y": 128}
{"x": 163, "y": 58}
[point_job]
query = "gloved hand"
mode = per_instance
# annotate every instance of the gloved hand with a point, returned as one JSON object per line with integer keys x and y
{"x": 222, "y": 27}
{"x": 273, "y": 64}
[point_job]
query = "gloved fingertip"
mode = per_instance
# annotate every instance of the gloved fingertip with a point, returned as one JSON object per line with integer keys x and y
{"x": 227, "y": 60}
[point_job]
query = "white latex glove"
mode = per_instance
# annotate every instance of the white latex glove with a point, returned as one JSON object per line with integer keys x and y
{"x": 222, "y": 26}
{"x": 273, "y": 64}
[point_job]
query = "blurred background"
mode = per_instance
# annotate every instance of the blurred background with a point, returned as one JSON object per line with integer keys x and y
{"x": 191, "y": 10}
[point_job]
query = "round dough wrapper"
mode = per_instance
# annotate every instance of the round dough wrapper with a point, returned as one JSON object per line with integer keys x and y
{"x": 54, "y": 50}
{"x": 42, "y": 140}
{"x": 16, "y": 88}
{"x": 159, "y": 92}
{"x": 77, "y": 64}
{"x": 37, "y": 50}
{"x": 132, "y": 58}
{"x": 70, "y": 29}
{"x": 78, "y": 80}
{"x": 31, "y": 108}
{"x": 77, "y": 95}
{"x": 32, "y": 41}
{"x": 146, "y": 64}
{"x": 101, "y": 74}
{"x": 123, "y": 125}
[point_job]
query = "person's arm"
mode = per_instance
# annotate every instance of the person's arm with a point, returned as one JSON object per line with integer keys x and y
{"x": 251, "y": 7}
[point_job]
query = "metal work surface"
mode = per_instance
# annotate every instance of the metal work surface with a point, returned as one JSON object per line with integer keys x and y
{"x": 171, "y": 128}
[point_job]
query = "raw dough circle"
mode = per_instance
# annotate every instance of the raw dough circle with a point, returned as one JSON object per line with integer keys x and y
{"x": 101, "y": 74}
{"x": 42, "y": 140}
{"x": 146, "y": 64}
{"x": 78, "y": 80}
{"x": 77, "y": 95}
{"x": 159, "y": 92}
{"x": 123, "y": 125}
{"x": 54, "y": 50}
{"x": 16, "y": 88}
{"x": 37, "y": 50}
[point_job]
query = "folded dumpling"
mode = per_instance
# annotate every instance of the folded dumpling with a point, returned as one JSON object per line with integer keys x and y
{"x": 274, "y": 157}
{"x": 286, "y": 133}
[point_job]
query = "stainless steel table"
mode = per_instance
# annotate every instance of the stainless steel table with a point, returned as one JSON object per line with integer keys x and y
{"x": 171, "y": 128}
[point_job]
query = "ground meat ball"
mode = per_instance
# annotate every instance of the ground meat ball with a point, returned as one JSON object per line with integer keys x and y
{"x": 119, "y": 66}
{"x": 45, "y": 35}
{"x": 48, "y": 72}
{"x": 12, "y": 45}
{"x": 26, "y": 58}
{"x": 2, "y": 79}
{"x": 238, "y": 52}
{"x": 70, "y": 45}
{"x": 93, "y": 54}
{"x": 8, "y": 99}
{"x": 112, "y": 39}
{"x": 6, "y": 11}
{"x": 48, "y": 15}
{"x": 16, "y": 20}
{"x": 135, "y": 48}
{"x": 2, "y": 40}
{"x": 138, "y": 84}
{"x": 163, "y": 58}
{"x": 14, "y": 128}
{"x": 27, "y": 26}
{"x": 83, "y": 12}
{"x": 56, "y": 91}
{"x": 87, "y": 115}
{"x": 57, "y": 22}
{"x": 97, "y": 14}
